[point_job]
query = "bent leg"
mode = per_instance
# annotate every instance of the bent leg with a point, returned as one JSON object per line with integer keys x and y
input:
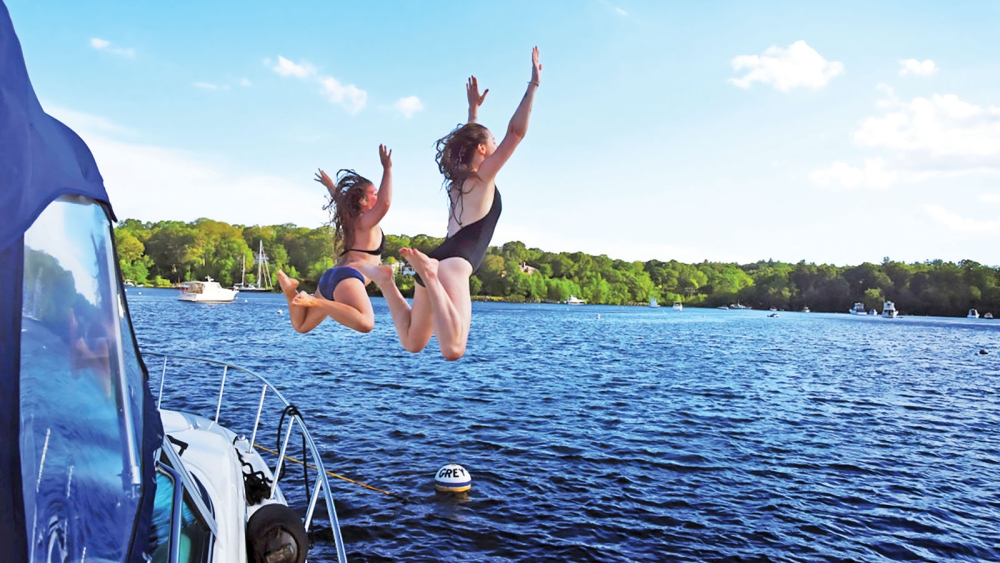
{"x": 447, "y": 290}
{"x": 413, "y": 325}
{"x": 356, "y": 311}
{"x": 296, "y": 313}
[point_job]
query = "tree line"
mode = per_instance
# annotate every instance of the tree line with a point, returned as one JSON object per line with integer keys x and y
{"x": 165, "y": 253}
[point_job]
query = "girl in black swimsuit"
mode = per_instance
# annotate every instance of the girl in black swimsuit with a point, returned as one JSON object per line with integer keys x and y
{"x": 469, "y": 159}
{"x": 356, "y": 208}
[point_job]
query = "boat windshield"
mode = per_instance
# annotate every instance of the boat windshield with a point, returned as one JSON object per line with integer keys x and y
{"x": 81, "y": 390}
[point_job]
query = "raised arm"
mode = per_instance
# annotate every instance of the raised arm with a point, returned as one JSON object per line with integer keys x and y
{"x": 372, "y": 217}
{"x": 475, "y": 100}
{"x": 518, "y": 126}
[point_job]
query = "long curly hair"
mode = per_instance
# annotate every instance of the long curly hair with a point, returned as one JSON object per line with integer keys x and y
{"x": 454, "y": 155}
{"x": 344, "y": 206}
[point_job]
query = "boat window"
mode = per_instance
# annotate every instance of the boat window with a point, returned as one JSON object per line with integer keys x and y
{"x": 81, "y": 389}
{"x": 192, "y": 539}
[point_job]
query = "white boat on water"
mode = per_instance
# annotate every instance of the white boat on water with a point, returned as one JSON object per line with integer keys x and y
{"x": 858, "y": 309}
{"x": 806, "y": 310}
{"x": 889, "y": 310}
{"x": 91, "y": 468}
{"x": 574, "y": 301}
{"x": 988, "y": 316}
{"x": 653, "y": 303}
{"x": 208, "y": 291}
{"x": 678, "y": 306}
{"x": 973, "y": 314}
{"x": 263, "y": 284}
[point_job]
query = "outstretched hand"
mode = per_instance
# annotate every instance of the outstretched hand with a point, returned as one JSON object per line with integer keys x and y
{"x": 472, "y": 91}
{"x": 322, "y": 178}
{"x": 385, "y": 155}
{"x": 536, "y": 67}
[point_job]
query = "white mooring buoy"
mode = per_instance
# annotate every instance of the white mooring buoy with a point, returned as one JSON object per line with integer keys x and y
{"x": 452, "y": 478}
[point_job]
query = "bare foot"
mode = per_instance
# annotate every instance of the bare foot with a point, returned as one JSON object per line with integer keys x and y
{"x": 381, "y": 275}
{"x": 303, "y": 299}
{"x": 288, "y": 285}
{"x": 424, "y": 265}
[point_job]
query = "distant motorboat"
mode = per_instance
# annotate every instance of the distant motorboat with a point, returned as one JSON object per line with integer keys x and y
{"x": 858, "y": 309}
{"x": 208, "y": 291}
{"x": 678, "y": 306}
{"x": 653, "y": 303}
{"x": 574, "y": 301}
{"x": 973, "y": 314}
{"x": 772, "y": 315}
{"x": 806, "y": 310}
{"x": 988, "y": 316}
{"x": 889, "y": 310}
{"x": 723, "y": 307}
{"x": 873, "y": 312}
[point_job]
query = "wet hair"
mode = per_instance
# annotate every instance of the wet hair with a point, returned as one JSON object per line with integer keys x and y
{"x": 454, "y": 153}
{"x": 344, "y": 206}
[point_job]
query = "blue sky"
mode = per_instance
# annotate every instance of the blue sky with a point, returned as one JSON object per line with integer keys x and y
{"x": 826, "y": 132}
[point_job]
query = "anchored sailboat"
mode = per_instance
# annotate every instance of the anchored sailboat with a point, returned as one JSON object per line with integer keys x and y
{"x": 263, "y": 283}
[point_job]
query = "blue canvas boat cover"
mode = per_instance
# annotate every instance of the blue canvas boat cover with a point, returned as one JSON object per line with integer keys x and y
{"x": 40, "y": 160}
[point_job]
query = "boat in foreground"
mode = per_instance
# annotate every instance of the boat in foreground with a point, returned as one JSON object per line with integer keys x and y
{"x": 208, "y": 291}
{"x": 91, "y": 470}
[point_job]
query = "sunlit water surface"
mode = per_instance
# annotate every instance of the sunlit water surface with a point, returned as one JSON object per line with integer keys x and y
{"x": 600, "y": 433}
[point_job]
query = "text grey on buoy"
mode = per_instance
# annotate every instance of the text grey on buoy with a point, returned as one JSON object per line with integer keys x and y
{"x": 452, "y": 478}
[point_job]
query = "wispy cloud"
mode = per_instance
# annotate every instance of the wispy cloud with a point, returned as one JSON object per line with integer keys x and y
{"x": 942, "y": 127}
{"x": 285, "y": 67}
{"x": 210, "y": 86}
{"x": 991, "y": 198}
{"x": 155, "y": 183}
{"x": 408, "y": 106}
{"x": 621, "y": 12}
{"x": 245, "y": 82}
{"x": 798, "y": 66}
{"x": 954, "y": 222}
{"x": 841, "y": 175}
{"x": 105, "y": 45}
{"x": 918, "y": 68}
{"x": 350, "y": 96}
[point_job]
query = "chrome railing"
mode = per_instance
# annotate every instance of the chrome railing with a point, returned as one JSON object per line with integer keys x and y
{"x": 322, "y": 482}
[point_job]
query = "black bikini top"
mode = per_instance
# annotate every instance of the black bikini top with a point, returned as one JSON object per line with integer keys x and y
{"x": 377, "y": 252}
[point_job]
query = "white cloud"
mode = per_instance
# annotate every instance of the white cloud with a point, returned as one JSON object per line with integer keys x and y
{"x": 842, "y": 175}
{"x": 797, "y": 66}
{"x": 154, "y": 183}
{"x": 918, "y": 68}
{"x": 245, "y": 82}
{"x": 954, "y": 222}
{"x": 943, "y": 129}
{"x": 286, "y": 67}
{"x": 991, "y": 198}
{"x": 350, "y": 96}
{"x": 205, "y": 86}
{"x": 620, "y": 12}
{"x": 105, "y": 45}
{"x": 408, "y": 106}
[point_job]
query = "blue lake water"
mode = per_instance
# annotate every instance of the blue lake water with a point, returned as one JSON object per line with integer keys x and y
{"x": 601, "y": 433}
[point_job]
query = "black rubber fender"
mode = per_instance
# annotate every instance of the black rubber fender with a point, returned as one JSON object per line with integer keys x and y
{"x": 275, "y": 534}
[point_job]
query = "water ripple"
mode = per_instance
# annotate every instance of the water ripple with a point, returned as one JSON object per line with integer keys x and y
{"x": 642, "y": 435}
